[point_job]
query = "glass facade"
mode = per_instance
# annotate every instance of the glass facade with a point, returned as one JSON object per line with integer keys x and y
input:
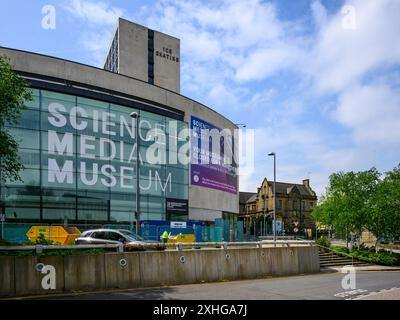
{"x": 112, "y": 61}
{"x": 79, "y": 156}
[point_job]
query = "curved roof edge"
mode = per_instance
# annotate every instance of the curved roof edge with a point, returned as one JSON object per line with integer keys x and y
{"x": 116, "y": 74}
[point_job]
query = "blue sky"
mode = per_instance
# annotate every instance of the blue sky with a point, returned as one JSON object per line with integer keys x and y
{"x": 319, "y": 84}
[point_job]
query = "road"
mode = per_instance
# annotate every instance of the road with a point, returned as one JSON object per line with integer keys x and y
{"x": 323, "y": 286}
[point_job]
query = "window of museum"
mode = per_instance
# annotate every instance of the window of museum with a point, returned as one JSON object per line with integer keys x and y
{"x": 91, "y": 201}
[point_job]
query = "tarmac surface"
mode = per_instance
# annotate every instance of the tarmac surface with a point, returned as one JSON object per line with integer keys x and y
{"x": 372, "y": 282}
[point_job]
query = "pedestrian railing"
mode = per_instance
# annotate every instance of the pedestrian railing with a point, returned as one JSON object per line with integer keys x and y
{"x": 223, "y": 245}
{"x": 40, "y": 248}
{"x": 161, "y": 246}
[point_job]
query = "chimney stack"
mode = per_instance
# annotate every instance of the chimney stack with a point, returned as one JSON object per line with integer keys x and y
{"x": 306, "y": 183}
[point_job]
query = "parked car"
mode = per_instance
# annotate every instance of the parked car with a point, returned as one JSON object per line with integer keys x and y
{"x": 139, "y": 238}
{"x": 111, "y": 236}
{"x": 132, "y": 235}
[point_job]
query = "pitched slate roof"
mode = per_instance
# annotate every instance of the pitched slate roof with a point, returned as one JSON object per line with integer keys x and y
{"x": 245, "y": 196}
{"x": 253, "y": 198}
{"x": 286, "y": 188}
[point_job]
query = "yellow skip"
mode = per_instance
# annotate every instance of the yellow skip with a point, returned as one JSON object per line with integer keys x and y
{"x": 57, "y": 234}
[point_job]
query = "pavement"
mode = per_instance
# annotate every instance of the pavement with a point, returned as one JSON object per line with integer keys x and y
{"x": 361, "y": 268}
{"x": 391, "y": 294}
{"x": 321, "y": 286}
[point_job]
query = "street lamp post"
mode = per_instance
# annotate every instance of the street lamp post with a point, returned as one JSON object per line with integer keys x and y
{"x": 265, "y": 206}
{"x": 241, "y": 125}
{"x": 136, "y": 116}
{"x": 274, "y": 155}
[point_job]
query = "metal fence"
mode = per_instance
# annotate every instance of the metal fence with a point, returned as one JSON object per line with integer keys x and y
{"x": 177, "y": 246}
{"x": 16, "y": 232}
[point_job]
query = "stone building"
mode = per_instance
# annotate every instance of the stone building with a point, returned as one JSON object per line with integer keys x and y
{"x": 294, "y": 204}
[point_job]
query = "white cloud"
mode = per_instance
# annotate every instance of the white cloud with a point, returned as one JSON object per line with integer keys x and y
{"x": 98, "y": 13}
{"x": 227, "y": 45}
{"x": 242, "y": 23}
{"x": 319, "y": 13}
{"x": 373, "y": 112}
{"x": 261, "y": 98}
{"x": 265, "y": 62}
{"x": 302, "y": 151}
{"x": 300, "y": 139}
{"x": 99, "y": 19}
{"x": 241, "y": 40}
{"x": 341, "y": 57}
{"x": 232, "y": 50}
{"x": 96, "y": 43}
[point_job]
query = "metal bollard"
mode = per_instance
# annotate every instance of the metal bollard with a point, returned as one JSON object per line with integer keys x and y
{"x": 120, "y": 247}
{"x": 39, "y": 248}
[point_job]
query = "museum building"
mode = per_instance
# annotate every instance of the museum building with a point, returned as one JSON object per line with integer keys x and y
{"x": 78, "y": 140}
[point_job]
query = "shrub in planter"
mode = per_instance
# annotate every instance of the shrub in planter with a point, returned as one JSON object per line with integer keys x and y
{"x": 338, "y": 249}
{"x": 324, "y": 242}
{"x": 381, "y": 257}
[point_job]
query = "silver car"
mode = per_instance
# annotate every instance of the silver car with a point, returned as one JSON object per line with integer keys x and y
{"x": 106, "y": 236}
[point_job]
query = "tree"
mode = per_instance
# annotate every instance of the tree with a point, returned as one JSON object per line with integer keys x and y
{"x": 385, "y": 217}
{"x": 325, "y": 211}
{"x": 392, "y": 179}
{"x": 14, "y": 93}
{"x": 347, "y": 204}
{"x": 356, "y": 201}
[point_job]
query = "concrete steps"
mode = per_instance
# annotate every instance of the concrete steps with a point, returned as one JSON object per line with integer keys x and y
{"x": 330, "y": 259}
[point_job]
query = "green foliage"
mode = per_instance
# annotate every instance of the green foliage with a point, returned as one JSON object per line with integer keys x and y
{"x": 4, "y": 243}
{"x": 356, "y": 201}
{"x": 13, "y": 96}
{"x": 41, "y": 239}
{"x": 382, "y": 257}
{"x": 45, "y": 253}
{"x": 324, "y": 242}
{"x": 340, "y": 250}
{"x": 385, "y": 218}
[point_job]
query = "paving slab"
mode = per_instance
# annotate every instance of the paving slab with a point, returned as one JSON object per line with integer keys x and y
{"x": 390, "y": 294}
{"x": 361, "y": 268}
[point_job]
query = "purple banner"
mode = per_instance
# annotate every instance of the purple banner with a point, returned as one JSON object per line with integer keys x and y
{"x": 214, "y": 174}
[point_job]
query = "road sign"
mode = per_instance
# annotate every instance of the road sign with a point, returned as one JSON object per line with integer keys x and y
{"x": 296, "y": 223}
{"x": 296, "y": 230}
{"x": 2, "y": 217}
{"x": 177, "y": 206}
{"x": 176, "y": 224}
{"x": 279, "y": 226}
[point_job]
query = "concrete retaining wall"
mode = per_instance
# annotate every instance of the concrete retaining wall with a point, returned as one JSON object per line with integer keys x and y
{"x": 19, "y": 277}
